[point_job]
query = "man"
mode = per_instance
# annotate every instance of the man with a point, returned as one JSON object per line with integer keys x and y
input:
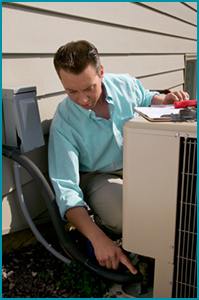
{"x": 85, "y": 145}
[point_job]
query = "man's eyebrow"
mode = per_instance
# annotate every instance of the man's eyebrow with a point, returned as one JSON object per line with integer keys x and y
{"x": 70, "y": 90}
{"x": 89, "y": 86}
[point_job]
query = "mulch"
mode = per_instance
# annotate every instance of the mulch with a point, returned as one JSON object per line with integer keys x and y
{"x": 33, "y": 272}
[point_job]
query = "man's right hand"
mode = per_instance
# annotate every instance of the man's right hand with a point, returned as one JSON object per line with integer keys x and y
{"x": 109, "y": 255}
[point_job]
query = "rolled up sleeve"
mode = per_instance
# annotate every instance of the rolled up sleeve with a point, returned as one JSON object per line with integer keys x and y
{"x": 145, "y": 95}
{"x": 64, "y": 171}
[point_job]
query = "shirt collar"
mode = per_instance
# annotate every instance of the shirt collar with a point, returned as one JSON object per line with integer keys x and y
{"x": 108, "y": 92}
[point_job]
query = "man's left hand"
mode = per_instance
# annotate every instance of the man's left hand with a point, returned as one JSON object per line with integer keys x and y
{"x": 170, "y": 98}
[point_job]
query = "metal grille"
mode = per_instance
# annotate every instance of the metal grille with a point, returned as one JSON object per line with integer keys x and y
{"x": 185, "y": 268}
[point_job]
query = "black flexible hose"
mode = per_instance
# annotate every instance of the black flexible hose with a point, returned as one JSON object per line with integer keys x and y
{"x": 65, "y": 239}
{"x": 29, "y": 220}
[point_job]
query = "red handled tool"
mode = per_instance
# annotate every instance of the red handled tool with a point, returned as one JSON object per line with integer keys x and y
{"x": 185, "y": 103}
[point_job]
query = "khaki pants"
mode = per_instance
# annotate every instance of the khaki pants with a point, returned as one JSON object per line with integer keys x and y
{"x": 103, "y": 194}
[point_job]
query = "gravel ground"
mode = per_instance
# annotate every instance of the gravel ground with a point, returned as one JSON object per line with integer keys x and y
{"x": 33, "y": 272}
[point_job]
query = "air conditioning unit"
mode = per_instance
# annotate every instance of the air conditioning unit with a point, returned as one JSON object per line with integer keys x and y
{"x": 159, "y": 202}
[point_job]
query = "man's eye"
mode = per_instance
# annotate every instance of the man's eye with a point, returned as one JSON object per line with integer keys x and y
{"x": 91, "y": 88}
{"x": 72, "y": 92}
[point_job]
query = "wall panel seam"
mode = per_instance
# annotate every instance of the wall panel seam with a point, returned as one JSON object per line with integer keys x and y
{"x": 165, "y": 13}
{"x": 88, "y": 20}
{"x": 12, "y": 55}
{"x": 176, "y": 86}
{"x": 179, "y": 84}
{"x": 43, "y": 96}
{"x": 160, "y": 73}
{"x": 190, "y": 7}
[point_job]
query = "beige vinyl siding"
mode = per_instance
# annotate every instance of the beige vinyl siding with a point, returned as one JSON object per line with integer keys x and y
{"x": 192, "y": 5}
{"x": 173, "y": 79}
{"x": 123, "y": 15}
{"x": 148, "y": 40}
{"x": 48, "y": 82}
{"x": 47, "y": 32}
{"x": 118, "y": 40}
{"x": 175, "y": 9}
{"x": 12, "y": 217}
{"x": 177, "y": 87}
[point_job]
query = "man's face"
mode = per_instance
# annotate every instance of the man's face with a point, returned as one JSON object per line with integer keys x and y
{"x": 85, "y": 88}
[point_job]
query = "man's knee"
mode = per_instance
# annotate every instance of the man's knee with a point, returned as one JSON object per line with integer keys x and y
{"x": 104, "y": 196}
{"x": 115, "y": 225}
{"x": 107, "y": 204}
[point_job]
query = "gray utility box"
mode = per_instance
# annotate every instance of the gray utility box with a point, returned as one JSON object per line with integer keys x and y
{"x": 21, "y": 119}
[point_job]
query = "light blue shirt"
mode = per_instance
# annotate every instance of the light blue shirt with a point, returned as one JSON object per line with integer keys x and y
{"x": 81, "y": 141}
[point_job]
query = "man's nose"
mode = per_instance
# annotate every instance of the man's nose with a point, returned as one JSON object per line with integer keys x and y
{"x": 84, "y": 99}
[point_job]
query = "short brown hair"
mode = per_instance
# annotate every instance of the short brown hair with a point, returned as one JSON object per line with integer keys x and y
{"x": 74, "y": 57}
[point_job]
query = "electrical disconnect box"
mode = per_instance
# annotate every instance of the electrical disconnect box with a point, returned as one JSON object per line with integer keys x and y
{"x": 21, "y": 119}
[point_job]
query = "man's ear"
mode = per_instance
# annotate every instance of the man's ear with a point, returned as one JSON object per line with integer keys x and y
{"x": 101, "y": 72}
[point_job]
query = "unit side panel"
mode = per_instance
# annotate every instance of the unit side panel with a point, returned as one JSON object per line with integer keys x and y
{"x": 149, "y": 199}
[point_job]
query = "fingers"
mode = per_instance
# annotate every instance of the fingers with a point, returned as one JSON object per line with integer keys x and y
{"x": 175, "y": 96}
{"x": 178, "y": 96}
{"x": 111, "y": 255}
{"x": 125, "y": 261}
{"x": 113, "y": 263}
{"x": 110, "y": 262}
{"x": 185, "y": 95}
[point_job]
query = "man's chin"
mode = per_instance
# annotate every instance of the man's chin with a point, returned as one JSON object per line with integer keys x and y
{"x": 86, "y": 106}
{"x": 89, "y": 106}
